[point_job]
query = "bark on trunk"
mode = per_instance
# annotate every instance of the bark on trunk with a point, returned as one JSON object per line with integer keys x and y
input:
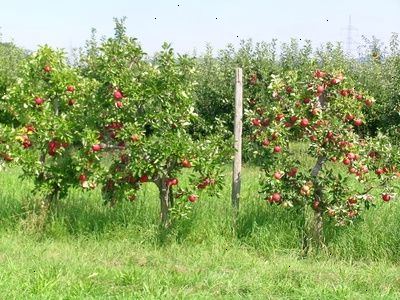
{"x": 314, "y": 237}
{"x": 165, "y": 201}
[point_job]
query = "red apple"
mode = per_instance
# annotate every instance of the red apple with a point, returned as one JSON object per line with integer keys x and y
{"x": 279, "y": 117}
{"x": 135, "y": 138}
{"x": 117, "y": 95}
{"x": 26, "y": 143}
{"x": 172, "y": 181}
{"x": 316, "y": 204}
{"x": 265, "y": 122}
{"x": 319, "y": 74}
{"x": 82, "y": 178}
{"x": 352, "y": 200}
{"x": 265, "y": 142}
{"x": 52, "y": 147}
{"x": 352, "y": 170}
{"x": 320, "y": 89}
{"x": 253, "y": 79}
{"x": 349, "y": 117}
{"x": 358, "y": 122}
{"x": 304, "y": 122}
{"x": 144, "y": 178}
{"x": 315, "y": 111}
{"x": 278, "y": 175}
{"x": 335, "y": 81}
{"x": 256, "y": 122}
{"x": 329, "y": 135}
{"x": 96, "y": 147}
{"x": 71, "y": 102}
{"x": 119, "y": 104}
{"x": 193, "y": 198}
{"x": 306, "y": 100}
{"x": 346, "y": 161}
{"x": 352, "y": 213}
{"x": 277, "y": 149}
{"x": 386, "y": 197}
{"x": 292, "y": 172}
{"x": 47, "y": 69}
{"x": 201, "y": 186}
{"x": 30, "y": 128}
{"x": 70, "y": 88}
{"x": 379, "y": 172}
{"x": 368, "y": 102}
{"x": 276, "y": 197}
{"x": 186, "y": 163}
{"x": 39, "y": 101}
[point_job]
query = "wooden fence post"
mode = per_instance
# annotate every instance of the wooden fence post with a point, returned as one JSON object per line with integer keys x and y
{"x": 237, "y": 162}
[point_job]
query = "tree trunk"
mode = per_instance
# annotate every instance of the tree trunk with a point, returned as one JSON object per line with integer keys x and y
{"x": 165, "y": 201}
{"x": 317, "y": 229}
{"x": 314, "y": 237}
{"x": 313, "y": 222}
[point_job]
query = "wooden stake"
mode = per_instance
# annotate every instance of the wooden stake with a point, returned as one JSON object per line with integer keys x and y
{"x": 237, "y": 163}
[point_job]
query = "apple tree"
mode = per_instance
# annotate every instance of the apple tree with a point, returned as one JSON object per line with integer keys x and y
{"x": 141, "y": 120}
{"x": 46, "y": 105}
{"x": 10, "y": 58}
{"x": 324, "y": 113}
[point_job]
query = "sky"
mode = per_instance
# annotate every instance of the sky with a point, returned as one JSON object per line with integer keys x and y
{"x": 191, "y": 24}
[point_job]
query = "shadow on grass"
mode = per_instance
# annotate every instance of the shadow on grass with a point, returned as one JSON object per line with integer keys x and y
{"x": 86, "y": 214}
{"x": 270, "y": 227}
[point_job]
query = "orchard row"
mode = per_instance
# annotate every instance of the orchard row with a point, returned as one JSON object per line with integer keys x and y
{"x": 121, "y": 120}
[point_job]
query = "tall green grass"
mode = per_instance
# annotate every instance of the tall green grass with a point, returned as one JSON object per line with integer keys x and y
{"x": 265, "y": 228}
{"x": 84, "y": 249}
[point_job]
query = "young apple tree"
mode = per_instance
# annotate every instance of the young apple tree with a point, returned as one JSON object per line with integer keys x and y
{"x": 322, "y": 112}
{"x": 46, "y": 106}
{"x": 144, "y": 115}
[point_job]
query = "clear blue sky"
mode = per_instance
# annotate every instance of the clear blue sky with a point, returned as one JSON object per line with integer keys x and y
{"x": 193, "y": 23}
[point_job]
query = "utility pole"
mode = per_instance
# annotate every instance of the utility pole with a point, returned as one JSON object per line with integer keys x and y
{"x": 349, "y": 40}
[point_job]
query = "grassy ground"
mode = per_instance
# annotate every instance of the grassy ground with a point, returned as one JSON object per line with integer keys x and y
{"x": 87, "y": 250}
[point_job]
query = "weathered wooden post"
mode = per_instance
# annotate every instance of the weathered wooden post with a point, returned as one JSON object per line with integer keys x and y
{"x": 237, "y": 162}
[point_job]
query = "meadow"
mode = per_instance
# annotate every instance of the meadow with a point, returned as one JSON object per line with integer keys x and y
{"x": 84, "y": 249}
{"x": 61, "y": 119}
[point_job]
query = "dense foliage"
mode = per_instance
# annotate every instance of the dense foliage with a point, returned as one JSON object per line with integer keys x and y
{"x": 375, "y": 69}
{"x": 118, "y": 118}
{"x": 122, "y": 121}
